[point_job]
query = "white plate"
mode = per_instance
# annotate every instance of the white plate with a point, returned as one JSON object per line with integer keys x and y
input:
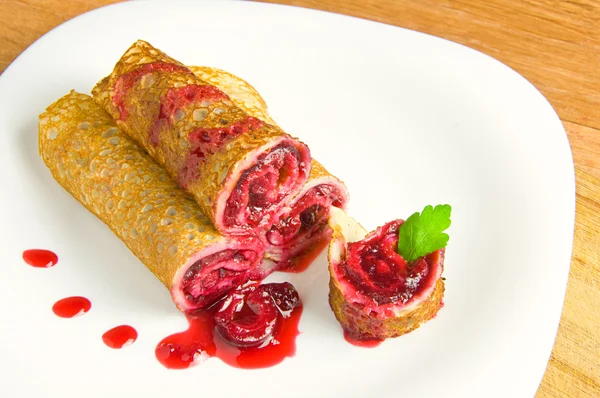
{"x": 406, "y": 119}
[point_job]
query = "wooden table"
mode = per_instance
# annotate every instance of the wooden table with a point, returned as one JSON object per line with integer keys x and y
{"x": 555, "y": 45}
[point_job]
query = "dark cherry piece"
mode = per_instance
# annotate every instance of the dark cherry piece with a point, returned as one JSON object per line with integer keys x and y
{"x": 247, "y": 317}
{"x": 252, "y": 305}
{"x": 282, "y": 345}
{"x": 284, "y": 294}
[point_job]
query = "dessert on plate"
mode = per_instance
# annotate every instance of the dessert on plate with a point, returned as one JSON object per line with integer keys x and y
{"x": 387, "y": 282}
{"x": 186, "y": 166}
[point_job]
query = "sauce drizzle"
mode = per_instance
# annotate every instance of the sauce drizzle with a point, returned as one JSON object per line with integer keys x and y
{"x": 361, "y": 343}
{"x": 71, "y": 307}
{"x": 40, "y": 258}
{"x": 120, "y": 336}
{"x": 301, "y": 262}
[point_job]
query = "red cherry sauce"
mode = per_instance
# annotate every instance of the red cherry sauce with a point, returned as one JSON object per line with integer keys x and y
{"x": 262, "y": 186}
{"x": 126, "y": 81}
{"x": 71, "y": 307}
{"x": 203, "y": 339}
{"x": 40, "y": 258}
{"x": 184, "y": 349}
{"x": 307, "y": 218}
{"x": 283, "y": 345}
{"x": 178, "y": 98}
{"x": 120, "y": 336}
{"x": 206, "y": 141}
{"x": 361, "y": 343}
{"x": 301, "y": 262}
{"x": 374, "y": 267}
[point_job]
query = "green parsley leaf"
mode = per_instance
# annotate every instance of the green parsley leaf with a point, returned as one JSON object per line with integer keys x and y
{"x": 422, "y": 234}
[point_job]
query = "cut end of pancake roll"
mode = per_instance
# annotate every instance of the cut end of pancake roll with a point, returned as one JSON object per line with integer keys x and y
{"x": 239, "y": 168}
{"x": 118, "y": 181}
{"x": 260, "y": 184}
{"x": 374, "y": 292}
{"x": 302, "y": 223}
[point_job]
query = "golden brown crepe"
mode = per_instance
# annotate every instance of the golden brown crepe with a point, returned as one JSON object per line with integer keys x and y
{"x": 370, "y": 296}
{"x": 302, "y": 223}
{"x": 163, "y": 226}
{"x": 239, "y": 169}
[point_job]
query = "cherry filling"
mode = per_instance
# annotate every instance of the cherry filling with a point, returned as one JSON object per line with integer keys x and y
{"x": 126, "y": 81}
{"x": 250, "y": 315}
{"x": 307, "y": 217}
{"x": 263, "y": 186}
{"x": 377, "y": 271}
{"x": 211, "y": 278}
{"x": 180, "y": 97}
{"x": 177, "y": 99}
{"x": 206, "y": 141}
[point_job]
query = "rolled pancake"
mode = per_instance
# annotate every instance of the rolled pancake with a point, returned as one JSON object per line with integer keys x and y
{"x": 239, "y": 169}
{"x": 163, "y": 226}
{"x": 302, "y": 223}
{"x": 242, "y": 93}
{"x": 373, "y": 292}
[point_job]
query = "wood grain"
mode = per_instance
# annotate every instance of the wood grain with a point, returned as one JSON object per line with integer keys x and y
{"x": 24, "y": 21}
{"x": 585, "y": 145}
{"x": 573, "y": 369}
{"x": 554, "y": 44}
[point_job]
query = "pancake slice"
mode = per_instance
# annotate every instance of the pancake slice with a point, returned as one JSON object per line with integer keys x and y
{"x": 373, "y": 292}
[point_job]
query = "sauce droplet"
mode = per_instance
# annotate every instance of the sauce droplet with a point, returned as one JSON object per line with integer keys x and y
{"x": 40, "y": 258}
{"x": 361, "y": 343}
{"x": 71, "y": 306}
{"x": 120, "y": 336}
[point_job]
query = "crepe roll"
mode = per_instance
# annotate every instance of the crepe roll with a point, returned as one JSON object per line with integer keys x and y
{"x": 373, "y": 292}
{"x": 242, "y": 93}
{"x": 239, "y": 168}
{"x": 301, "y": 224}
{"x": 118, "y": 181}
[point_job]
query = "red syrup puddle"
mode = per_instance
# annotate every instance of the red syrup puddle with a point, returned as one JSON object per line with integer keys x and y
{"x": 120, "y": 336}
{"x": 200, "y": 341}
{"x": 282, "y": 345}
{"x": 301, "y": 263}
{"x": 71, "y": 306}
{"x": 40, "y": 258}
{"x": 361, "y": 343}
